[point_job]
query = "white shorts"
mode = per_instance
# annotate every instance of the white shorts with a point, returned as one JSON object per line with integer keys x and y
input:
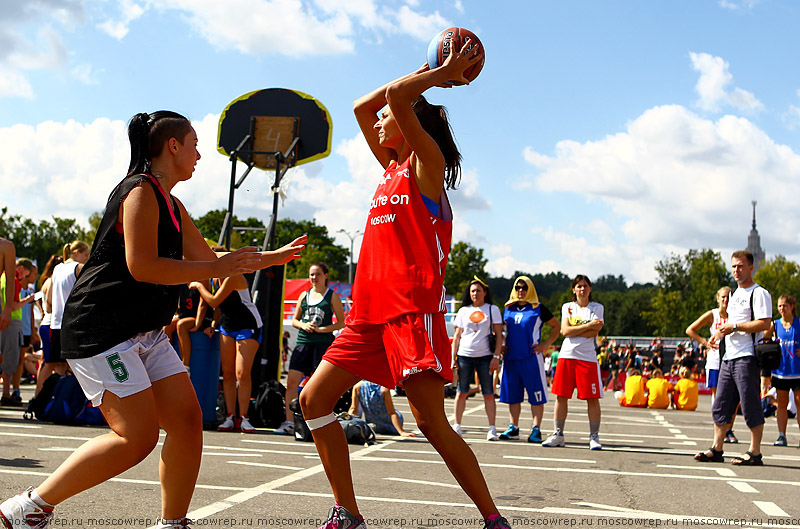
{"x": 127, "y": 368}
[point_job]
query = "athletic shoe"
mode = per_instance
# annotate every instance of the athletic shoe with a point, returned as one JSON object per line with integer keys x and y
{"x": 730, "y": 437}
{"x": 781, "y": 441}
{"x": 491, "y": 435}
{"x": 457, "y": 429}
{"x": 535, "y": 436}
{"x": 22, "y": 511}
{"x": 341, "y": 518}
{"x": 245, "y": 426}
{"x": 227, "y": 425}
{"x": 594, "y": 442}
{"x": 497, "y": 523}
{"x": 512, "y": 432}
{"x": 9, "y": 401}
{"x": 557, "y": 439}
{"x": 286, "y": 428}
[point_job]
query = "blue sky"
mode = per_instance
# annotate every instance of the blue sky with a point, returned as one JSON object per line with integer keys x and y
{"x": 600, "y": 136}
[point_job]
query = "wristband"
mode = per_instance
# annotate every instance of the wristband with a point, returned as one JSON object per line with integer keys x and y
{"x": 496, "y": 356}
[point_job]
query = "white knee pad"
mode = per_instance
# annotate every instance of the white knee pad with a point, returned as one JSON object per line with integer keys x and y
{"x": 319, "y": 422}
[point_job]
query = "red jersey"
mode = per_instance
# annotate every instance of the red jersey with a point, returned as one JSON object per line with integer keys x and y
{"x": 404, "y": 252}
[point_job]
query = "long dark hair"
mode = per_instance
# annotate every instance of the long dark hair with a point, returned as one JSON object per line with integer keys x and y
{"x": 47, "y": 272}
{"x": 467, "y": 301}
{"x": 433, "y": 119}
{"x": 148, "y": 133}
{"x": 578, "y": 279}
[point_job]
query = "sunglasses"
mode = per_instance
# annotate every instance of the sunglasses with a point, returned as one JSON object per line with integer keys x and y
{"x": 521, "y": 287}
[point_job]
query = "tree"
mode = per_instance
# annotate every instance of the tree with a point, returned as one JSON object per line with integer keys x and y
{"x": 39, "y": 240}
{"x": 210, "y": 226}
{"x": 465, "y": 262}
{"x": 779, "y": 276}
{"x": 687, "y": 286}
{"x": 320, "y": 247}
{"x": 609, "y": 283}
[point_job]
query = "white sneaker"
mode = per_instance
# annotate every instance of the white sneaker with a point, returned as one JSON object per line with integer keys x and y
{"x": 22, "y": 511}
{"x": 457, "y": 429}
{"x": 594, "y": 442}
{"x": 245, "y": 426}
{"x": 286, "y": 428}
{"x": 557, "y": 439}
{"x": 227, "y": 425}
{"x": 491, "y": 435}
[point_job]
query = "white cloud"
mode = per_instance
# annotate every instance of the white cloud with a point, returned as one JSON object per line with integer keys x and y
{"x": 129, "y": 11}
{"x": 14, "y": 84}
{"x": 791, "y": 117}
{"x": 507, "y": 266}
{"x": 713, "y": 86}
{"x": 500, "y": 249}
{"x": 676, "y": 181}
{"x": 738, "y": 4}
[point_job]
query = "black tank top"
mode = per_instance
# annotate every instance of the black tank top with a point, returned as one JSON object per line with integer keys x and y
{"x": 188, "y": 301}
{"x": 108, "y": 306}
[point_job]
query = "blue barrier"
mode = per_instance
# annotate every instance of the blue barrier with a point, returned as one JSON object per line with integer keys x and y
{"x": 204, "y": 366}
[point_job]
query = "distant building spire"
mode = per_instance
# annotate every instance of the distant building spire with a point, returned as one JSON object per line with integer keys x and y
{"x": 754, "y": 243}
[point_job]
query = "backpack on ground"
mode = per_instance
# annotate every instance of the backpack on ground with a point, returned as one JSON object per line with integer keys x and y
{"x": 301, "y": 430}
{"x": 356, "y": 429}
{"x": 37, "y": 404}
{"x": 268, "y": 409}
{"x": 67, "y": 403}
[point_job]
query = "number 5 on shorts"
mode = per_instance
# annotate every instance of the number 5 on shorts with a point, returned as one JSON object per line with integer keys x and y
{"x": 117, "y": 367}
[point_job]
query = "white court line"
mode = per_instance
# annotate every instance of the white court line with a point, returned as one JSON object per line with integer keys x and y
{"x": 674, "y": 430}
{"x": 247, "y": 494}
{"x": 231, "y": 454}
{"x": 23, "y": 426}
{"x": 770, "y": 509}
{"x": 581, "y": 470}
{"x": 603, "y": 511}
{"x": 563, "y": 460}
{"x": 18, "y": 472}
{"x": 263, "y": 465}
{"x": 616, "y": 440}
{"x": 721, "y": 471}
{"x": 285, "y": 443}
{"x": 432, "y": 483}
{"x": 741, "y": 486}
{"x": 683, "y": 443}
{"x": 42, "y": 436}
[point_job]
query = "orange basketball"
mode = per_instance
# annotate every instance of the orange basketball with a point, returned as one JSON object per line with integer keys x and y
{"x": 453, "y": 39}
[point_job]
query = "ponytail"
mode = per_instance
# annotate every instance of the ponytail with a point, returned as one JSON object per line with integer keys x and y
{"x": 73, "y": 247}
{"x": 65, "y": 252}
{"x": 435, "y": 122}
{"x": 148, "y": 133}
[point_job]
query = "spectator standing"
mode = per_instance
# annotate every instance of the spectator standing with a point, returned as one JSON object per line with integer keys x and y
{"x": 749, "y": 315}
{"x": 477, "y": 318}
{"x": 11, "y": 338}
{"x": 523, "y": 361}
{"x": 581, "y": 322}
{"x": 74, "y": 256}
{"x": 786, "y": 379}
{"x": 313, "y": 319}
{"x": 46, "y": 367}
{"x": 27, "y": 273}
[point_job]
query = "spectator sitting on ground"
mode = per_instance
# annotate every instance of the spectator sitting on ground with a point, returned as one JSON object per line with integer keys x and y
{"x": 686, "y": 392}
{"x": 633, "y": 396}
{"x": 658, "y": 390}
{"x": 376, "y": 403}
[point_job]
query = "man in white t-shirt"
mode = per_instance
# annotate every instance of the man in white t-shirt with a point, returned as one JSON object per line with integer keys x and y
{"x": 749, "y": 315}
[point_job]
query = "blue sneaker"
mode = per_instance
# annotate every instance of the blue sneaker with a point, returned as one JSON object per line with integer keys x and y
{"x": 781, "y": 440}
{"x": 512, "y": 432}
{"x": 535, "y": 436}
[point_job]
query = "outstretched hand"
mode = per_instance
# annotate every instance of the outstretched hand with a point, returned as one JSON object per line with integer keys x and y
{"x": 242, "y": 261}
{"x": 287, "y": 253}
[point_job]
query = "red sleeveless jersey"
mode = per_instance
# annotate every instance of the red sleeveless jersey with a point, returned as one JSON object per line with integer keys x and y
{"x": 404, "y": 252}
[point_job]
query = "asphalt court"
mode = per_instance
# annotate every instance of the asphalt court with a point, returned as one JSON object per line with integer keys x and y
{"x": 644, "y": 476}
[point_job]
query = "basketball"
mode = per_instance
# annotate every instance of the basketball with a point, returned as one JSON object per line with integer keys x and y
{"x": 453, "y": 39}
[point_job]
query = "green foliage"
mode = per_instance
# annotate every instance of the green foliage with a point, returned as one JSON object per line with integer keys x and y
{"x": 210, "y": 226}
{"x": 687, "y": 286}
{"x": 320, "y": 247}
{"x": 39, "y": 240}
{"x": 464, "y": 262}
{"x": 779, "y": 276}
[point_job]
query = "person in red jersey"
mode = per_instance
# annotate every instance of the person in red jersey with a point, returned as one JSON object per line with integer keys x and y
{"x": 395, "y": 332}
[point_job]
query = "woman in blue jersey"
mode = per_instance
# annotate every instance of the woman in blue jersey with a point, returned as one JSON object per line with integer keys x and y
{"x": 787, "y": 377}
{"x": 523, "y": 357}
{"x": 240, "y": 335}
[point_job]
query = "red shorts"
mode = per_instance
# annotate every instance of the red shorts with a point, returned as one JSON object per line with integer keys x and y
{"x": 579, "y": 374}
{"x": 390, "y": 352}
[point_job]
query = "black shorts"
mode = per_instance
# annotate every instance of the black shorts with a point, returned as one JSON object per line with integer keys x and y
{"x": 306, "y": 357}
{"x": 55, "y": 348}
{"x": 26, "y": 340}
{"x": 786, "y": 384}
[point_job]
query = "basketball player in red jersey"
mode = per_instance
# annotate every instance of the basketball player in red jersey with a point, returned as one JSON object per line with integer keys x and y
{"x": 395, "y": 333}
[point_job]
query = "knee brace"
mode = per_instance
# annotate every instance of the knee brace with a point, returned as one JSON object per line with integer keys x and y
{"x": 319, "y": 422}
